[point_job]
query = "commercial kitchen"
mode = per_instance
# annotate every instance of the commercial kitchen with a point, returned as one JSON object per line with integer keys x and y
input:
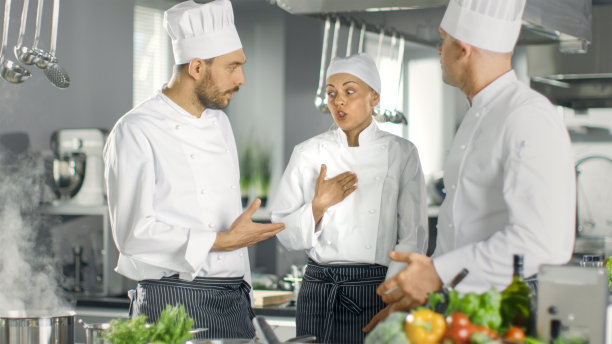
{"x": 111, "y": 55}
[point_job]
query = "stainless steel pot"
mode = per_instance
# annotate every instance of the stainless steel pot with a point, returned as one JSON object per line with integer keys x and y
{"x": 33, "y": 329}
{"x": 94, "y": 333}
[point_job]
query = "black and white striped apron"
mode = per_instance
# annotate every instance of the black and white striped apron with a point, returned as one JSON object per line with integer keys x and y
{"x": 220, "y": 304}
{"x": 337, "y": 301}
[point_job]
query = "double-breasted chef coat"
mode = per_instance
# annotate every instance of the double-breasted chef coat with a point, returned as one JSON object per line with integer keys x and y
{"x": 388, "y": 211}
{"x": 510, "y": 188}
{"x": 173, "y": 184}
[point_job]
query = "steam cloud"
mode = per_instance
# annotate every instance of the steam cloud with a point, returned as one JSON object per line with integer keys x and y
{"x": 28, "y": 278}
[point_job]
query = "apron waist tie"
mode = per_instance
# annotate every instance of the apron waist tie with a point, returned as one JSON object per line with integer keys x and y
{"x": 329, "y": 276}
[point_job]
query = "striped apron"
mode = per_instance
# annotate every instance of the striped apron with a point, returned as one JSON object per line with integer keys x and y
{"x": 336, "y": 301}
{"x": 220, "y": 304}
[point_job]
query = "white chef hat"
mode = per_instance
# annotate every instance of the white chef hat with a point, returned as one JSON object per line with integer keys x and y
{"x": 201, "y": 30}
{"x": 360, "y": 65}
{"x": 487, "y": 24}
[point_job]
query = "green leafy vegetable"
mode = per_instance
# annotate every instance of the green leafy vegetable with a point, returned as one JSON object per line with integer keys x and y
{"x": 390, "y": 331}
{"x": 482, "y": 309}
{"x": 172, "y": 328}
{"x": 609, "y": 266}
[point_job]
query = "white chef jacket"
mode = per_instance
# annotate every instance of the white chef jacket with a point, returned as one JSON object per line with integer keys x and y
{"x": 510, "y": 188}
{"x": 388, "y": 211}
{"x": 172, "y": 181}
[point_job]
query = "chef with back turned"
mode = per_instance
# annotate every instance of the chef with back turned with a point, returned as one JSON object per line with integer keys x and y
{"x": 509, "y": 175}
{"x": 171, "y": 171}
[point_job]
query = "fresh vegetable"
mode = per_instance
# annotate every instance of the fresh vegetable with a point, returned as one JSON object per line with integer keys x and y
{"x": 128, "y": 331}
{"x": 457, "y": 319}
{"x": 424, "y": 326}
{"x": 481, "y": 309}
{"x": 486, "y": 331}
{"x": 389, "y": 331}
{"x": 459, "y": 334}
{"x": 172, "y": 328}
{"x": 459, "y": 329}
{"x": 514, "y": 335}
{"x": 609, "y": 266}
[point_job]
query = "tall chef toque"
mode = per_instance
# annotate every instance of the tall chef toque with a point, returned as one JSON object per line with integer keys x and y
{"x": 201, "y": 30}
{"x": 360, "y": 65}
{"x": 487, "y": 24}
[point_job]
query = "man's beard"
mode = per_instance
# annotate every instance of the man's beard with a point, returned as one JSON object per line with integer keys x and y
{"x": 209, "y": 95}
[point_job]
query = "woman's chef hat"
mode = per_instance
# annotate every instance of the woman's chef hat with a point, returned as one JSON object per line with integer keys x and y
{"x": 487, "y": 24}
{"x": 360, "y": 65}
{"x": 201, "y": 30}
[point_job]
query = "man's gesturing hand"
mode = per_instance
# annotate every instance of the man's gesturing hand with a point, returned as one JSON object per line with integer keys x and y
{"x": 244, "y": 232}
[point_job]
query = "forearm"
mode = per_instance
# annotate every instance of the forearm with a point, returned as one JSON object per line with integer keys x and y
{"x": 224, "y": 242}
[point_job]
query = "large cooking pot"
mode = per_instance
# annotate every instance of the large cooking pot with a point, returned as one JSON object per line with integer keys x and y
{"x": 35, "y": 328}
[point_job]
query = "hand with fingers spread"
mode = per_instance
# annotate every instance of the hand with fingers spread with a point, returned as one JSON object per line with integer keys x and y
{"x": 331, "y": 191}
{"x": 244, "y": 232}
{"x": 409, "y": 288}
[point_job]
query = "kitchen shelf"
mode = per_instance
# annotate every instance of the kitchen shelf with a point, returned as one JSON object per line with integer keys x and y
{"x": 112, "y": 283}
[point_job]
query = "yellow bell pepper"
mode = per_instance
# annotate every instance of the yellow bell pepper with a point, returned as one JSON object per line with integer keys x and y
{"x": 424, "y": 327}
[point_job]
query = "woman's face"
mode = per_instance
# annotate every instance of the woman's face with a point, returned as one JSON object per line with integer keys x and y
{"x": 351, "y": 102}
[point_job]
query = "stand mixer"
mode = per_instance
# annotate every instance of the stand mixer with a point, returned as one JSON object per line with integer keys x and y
{"x": 78, "y": 170}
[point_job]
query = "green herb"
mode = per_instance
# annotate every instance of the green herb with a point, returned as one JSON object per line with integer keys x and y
{"x": 128, "y": 331}
{"x": 609, "y": 266}
{"x": 172, "y": 328}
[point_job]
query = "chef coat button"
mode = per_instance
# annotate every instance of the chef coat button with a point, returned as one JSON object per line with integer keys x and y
{"x": 462, "y": 146}
{"x": 241, "y": 254}
{"x": 214, "y": 121}
{"x": 202, "y": 191}
{"x": 177, "y": 127}
{"x": 372, "y": 211}
{"x": 368, "y": 246}
{"x": 376, "y": 178}
{"x": 192, "y": 156}
{"x": 233, "y": 186}
{"x": 453, "y": 186}
{"x": 477, "y": 114}
{"x": 227, "y": 151}
{"x": 383, "y": 147}
{"x": 450, "y": 225}
{"x": 219, "y": 257}
{"x": 211, "y": 225}
{"x": 329, "y": 242}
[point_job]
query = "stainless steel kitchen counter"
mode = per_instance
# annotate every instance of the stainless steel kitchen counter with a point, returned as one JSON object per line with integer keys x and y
{"x": 94, "y": 310}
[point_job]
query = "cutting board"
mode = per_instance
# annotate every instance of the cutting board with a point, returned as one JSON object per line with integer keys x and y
{"x": 265, "y": 298}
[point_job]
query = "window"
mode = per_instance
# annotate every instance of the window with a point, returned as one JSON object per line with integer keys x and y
{"x": 152, "y": 64}
{"x": 385, "y": 54}
{"x": 421, "y": 96}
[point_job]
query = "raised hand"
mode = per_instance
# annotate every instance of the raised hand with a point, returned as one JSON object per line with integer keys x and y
{"x": 244, "y": 232}
{"x": 331, "y": 191}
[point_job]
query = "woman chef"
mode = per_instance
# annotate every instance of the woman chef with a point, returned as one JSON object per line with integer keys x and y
{"x": 348, "y": 197}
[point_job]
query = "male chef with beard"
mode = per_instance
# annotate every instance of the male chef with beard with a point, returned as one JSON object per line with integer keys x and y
{"x": 171, "y": 171}
{"x": 509, "y": 176}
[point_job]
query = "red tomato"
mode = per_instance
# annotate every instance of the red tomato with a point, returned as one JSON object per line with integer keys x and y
{"x": 514, "y": 335}
{"x": 459, "y": 334}
{"x": 457, "y": 319}
{"x": 487, "y": 331}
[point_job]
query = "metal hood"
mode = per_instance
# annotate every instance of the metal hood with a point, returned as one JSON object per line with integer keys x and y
{"x": 578, "y": 81}
{"x": 544, "y": 21}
